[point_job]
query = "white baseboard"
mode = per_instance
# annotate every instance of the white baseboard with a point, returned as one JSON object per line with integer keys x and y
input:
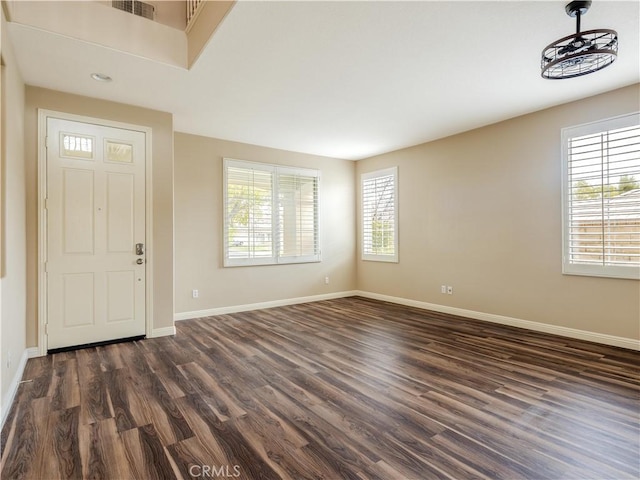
{"x": 9, "y": 397}
{"x": 163, "y": 332}
{"x": 623, "y": 342}
{"x": 261, "y": 305}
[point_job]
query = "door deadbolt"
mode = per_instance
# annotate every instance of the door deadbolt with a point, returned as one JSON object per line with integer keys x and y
{"x": 139, "y": 261}
{"x": 139, "y": 248}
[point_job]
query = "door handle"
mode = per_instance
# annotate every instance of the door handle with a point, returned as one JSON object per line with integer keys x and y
{"x": 139, "y": 248}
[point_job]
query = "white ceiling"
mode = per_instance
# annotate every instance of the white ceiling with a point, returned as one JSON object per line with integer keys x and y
{"x": 347, "y": 79}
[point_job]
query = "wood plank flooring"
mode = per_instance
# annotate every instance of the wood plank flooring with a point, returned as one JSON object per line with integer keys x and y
{"x": 348, "y": 388}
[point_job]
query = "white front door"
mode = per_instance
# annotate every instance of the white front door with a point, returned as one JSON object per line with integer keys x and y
{"x": 95, "y": 217}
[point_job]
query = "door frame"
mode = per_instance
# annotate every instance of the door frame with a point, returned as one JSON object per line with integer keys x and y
{"x": 43, "y": 116}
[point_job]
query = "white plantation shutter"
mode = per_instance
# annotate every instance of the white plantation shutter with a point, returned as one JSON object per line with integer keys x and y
{"x": 298, "y": 215}
{"x": 270, "y": 214}
{"x": 601, "y": 178}
{"x": 248, "y": 233}
{"x": 380, "y": 215}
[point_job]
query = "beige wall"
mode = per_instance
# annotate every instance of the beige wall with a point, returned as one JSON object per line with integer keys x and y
{"x": 481, "y": 211}
{"x": 102, "y": 25}
{"x": 14, "y": 258}
{"x": 203, "y": 26}
{"x": 171, "y": 13}
{"x": 198, "y": 229}
{"x": 162, "y": 253}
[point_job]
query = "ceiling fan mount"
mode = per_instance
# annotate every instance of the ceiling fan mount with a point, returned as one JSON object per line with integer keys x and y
{"x": 581, "y": 53}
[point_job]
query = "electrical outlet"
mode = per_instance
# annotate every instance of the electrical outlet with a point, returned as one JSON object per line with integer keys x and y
{"x": 450, "y": 290}
{"x": 326, "y": 280}
{"x": 443, "y": 289}
{"x": 194, "y": 293}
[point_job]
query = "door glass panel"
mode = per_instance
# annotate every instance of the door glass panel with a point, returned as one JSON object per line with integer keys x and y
{"x": 119, "y": 152}
{"x": 76, "y": 146}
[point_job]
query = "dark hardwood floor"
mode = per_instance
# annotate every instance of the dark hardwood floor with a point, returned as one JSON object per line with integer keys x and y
{"x": 348, "y": 388}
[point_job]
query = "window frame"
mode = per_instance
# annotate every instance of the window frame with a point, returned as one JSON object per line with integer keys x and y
{"x": 378, "y": 257}
{"x": 569, "y": 268}
{"x": 275, "y": 258}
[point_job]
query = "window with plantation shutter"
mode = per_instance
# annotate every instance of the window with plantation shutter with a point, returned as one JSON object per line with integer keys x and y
{"x": 380, "y": 215}
{"x": 601, "y": 198}
{"x": 298, "y": 215}
{"x": 270, "y": 214}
